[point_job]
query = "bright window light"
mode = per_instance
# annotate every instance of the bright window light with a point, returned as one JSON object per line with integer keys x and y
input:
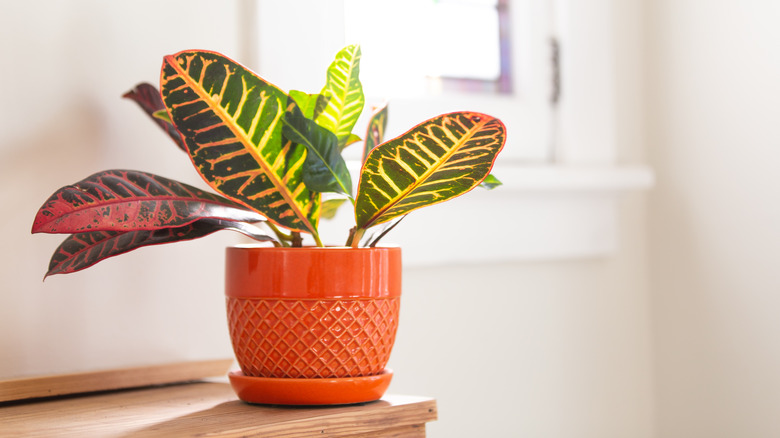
{"x": 411, "y": 46}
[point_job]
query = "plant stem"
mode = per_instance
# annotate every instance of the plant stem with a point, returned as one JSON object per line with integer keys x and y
{"x": 297, "y": 241}
{"x": 384, "y": 232}
{"x": 317, "y": 240}
{"x": 283, "y": 238}
{"x": 355, "y": 236}
{"x": 279, "y": 233}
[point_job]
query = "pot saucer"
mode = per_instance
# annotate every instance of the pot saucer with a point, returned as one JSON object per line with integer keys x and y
{"x": 314, "y": 391}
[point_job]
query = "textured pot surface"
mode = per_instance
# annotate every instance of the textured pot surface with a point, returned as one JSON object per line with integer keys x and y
{"x": 312, "y": 312}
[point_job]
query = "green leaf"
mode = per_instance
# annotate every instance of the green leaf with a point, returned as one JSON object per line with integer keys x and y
{"x": 345, "y": 94}
{"x": 375, "y": 132}
{"x": 437, "y": 160}
{"x": 353, "y": 138}
{"x": 490, "y": 182}
{"x": 330, "y": 207}
{"x": 231, "y": 121}
{"x": 162, "y": 115}
{"x": 324, "y": 168}
{"x": 310, "y": 104}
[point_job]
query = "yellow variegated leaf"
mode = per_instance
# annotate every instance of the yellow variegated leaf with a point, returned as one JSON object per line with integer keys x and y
{"x": 345, "y": 95}
{"x": 435, "y": 161}
{"x": 231, "y": 121}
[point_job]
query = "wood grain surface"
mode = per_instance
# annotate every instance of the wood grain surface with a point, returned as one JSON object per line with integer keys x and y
{"x": 63, "y": 384}
{"x": 209, "y": 409}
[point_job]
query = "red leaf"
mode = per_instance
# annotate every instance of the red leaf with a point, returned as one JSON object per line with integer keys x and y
{"x": 375, "y": 132}
{"x": 149, "y": 99}
{"x": 82, "y": 250}
{"x": 125, "y": 200}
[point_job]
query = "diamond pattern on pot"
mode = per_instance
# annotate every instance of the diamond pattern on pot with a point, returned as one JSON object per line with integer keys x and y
{"x": 312, "y": 338}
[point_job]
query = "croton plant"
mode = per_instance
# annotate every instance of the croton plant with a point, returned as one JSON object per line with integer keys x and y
{"x": 270, "y": 155}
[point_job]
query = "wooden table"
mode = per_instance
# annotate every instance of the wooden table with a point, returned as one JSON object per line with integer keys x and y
{"x": 208, "y": 409}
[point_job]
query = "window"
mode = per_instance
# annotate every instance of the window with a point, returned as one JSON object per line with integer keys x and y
{"x": 429, "y": 57}
{"x": 397, "y": 67}
{"x": 444, "y": 45}
{"x": 558, "y": 164}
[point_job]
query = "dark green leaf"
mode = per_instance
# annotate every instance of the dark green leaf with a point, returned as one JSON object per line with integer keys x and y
{"x": 324, "y": 168}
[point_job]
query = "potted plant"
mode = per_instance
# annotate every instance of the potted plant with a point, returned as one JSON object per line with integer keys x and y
{"x": 310, "y": 323}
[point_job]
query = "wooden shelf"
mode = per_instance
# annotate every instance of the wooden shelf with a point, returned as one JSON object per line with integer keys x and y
{"x": 208, "y": 409}
{"x": 106, "y": 380}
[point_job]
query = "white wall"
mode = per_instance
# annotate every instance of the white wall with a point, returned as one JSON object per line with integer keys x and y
{"x": 554, "y": 349}
{"x": 560, "y": 349}
{"x": 65, "y": 66}
{"x": 714, "y": 140}
{"x": 532, "y": 349}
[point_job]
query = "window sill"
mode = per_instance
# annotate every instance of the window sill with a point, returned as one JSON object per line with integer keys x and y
{"x": 574, "y": 179}
{"x": 540, "y": 213}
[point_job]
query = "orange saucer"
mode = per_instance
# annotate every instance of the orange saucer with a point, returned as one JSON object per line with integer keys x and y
{"x": 315, "y": 391}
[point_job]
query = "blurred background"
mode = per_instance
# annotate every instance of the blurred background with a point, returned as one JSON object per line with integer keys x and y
{"x": 623, "y": 282}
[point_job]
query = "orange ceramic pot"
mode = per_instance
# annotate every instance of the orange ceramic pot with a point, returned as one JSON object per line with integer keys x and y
{"x": 314, "y": 316}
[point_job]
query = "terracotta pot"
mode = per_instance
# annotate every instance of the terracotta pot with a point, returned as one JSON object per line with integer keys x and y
{"x": 312, "y": 316}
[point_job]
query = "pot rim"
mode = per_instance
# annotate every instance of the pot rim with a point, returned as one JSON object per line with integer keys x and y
{"x": 262, "y": 272}
{"x": 263, "y": 246}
